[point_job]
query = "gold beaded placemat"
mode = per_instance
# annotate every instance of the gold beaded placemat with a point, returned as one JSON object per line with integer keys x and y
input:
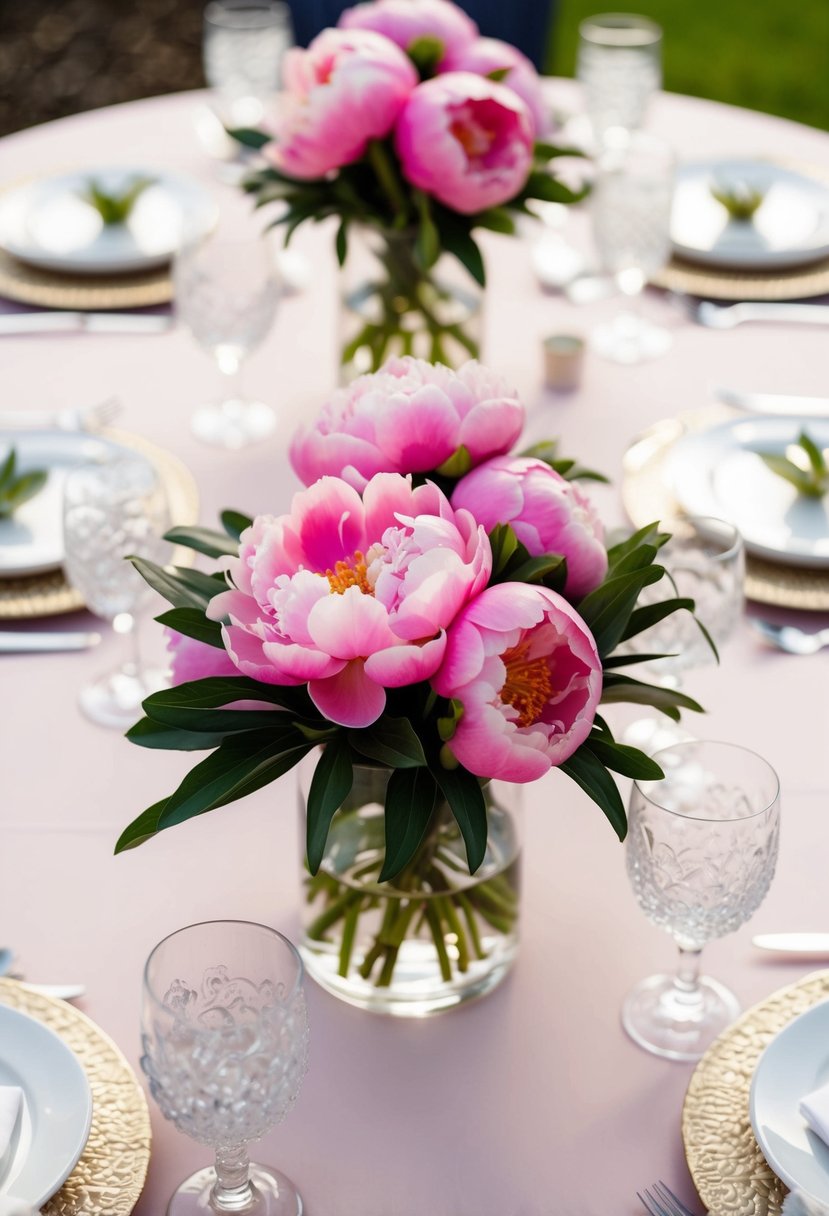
{"x": 101, "y": 293}
{"x": 49, "y": 594}
{"x": 729, "y": 1171}
{"x": 647, "y": 497}
{"x": 112, "y": 1168}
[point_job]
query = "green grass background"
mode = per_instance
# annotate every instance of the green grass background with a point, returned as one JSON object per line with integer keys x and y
{"x": 769, "y": 55}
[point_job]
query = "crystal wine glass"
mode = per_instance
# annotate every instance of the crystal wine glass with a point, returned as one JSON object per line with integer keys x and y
{"x": 226, "y": 294}
{"x": 225, "y": 1048}
{"x": 113, "y": 509}
{"x": 705, "y": 562}
{"x": 620, "y": 68}
{"x": 244, "y": 42}
{"x": 631, "y": 215}
{"x": 701, "y": 852}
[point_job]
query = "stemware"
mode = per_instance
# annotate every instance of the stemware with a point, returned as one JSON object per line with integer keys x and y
{"x": 225, "y": 1048}
{"x": 226, "y": 293}
{"x": 704, "y": 561}
{"x": 701, "y": 852}
{"x": 619, "y": 65}
{"x": 113, "y": 509}
{"x": 244, "y": 42}
{"x": 631, "y": 214}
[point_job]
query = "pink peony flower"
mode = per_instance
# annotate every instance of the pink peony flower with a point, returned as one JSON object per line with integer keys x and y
{"x": 351, "y": 595}
{"x": 344, "y": 90}
{"x": 525, "y": 668}
{"x": 466, "y": 140}
{"x": 408, "y": 417}
{"x": 547, "y": 513}
{"x": 404, "y": 21}
{"x": 193, "y": 660}
{"x": 486, "y": 55}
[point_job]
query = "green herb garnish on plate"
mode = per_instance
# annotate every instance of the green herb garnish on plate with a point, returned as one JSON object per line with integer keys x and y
{"x": 14, "y": 490}
{"x": 804, "y": 467}
{"x": 740, "y": 199}
{"x": 114, "y": 207}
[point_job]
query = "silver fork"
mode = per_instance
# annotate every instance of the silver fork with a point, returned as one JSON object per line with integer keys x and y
{"x": 715, "y": 316}
{"x": 663, "y": 1202}
{"x": 80, "y": 418}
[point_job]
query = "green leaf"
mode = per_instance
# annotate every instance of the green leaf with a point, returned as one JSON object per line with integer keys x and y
{"x": 504, "y": 543}
{"x": 240, "y": 765}
{"x": 426, "y": 53}
{"x": 466, "y": 801}
{"x": 546, "y": 151}
{"x": 588, "y": 772}
{"x": 224, "y": 690}
{"x": 612, "y": 661}
{"x": 607, "y": 609}
{"x": 628, "y": 761}
{"x": 649, "y": 535}
{"x": 457, "y": 465}
{"x": 142, "y": 828}
{"x": 539, "y": 185}
{"x": 495, "y": 219}
{"x": 456, "y": 239}
{"x": 617, "y": 688}
{"x": 427, "y": 243}
{"x": 341, "y": 243}
{"x": 538, "y": 569}
{"x": 168, "y": 584}
{"x": 330, "y": 786}
{"x": 204, "y": 540}
{"x": 498, "y": 74}
{"x": 7, "y": 469}
{"x": 391, "y": 741}
{"x": 411, "y": 798}
{"x": 249, "y": 137}
{"x": 147, "y": 733}
{"x": 193, "y": 624}
{"x": 235, "y": 523}
{"x": 651, "y": 614}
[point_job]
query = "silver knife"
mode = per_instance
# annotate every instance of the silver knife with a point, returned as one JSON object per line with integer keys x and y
{"x": 14, "y": 642}
{"x": 773, "y": 403}
{"x": 84, "y": 322}
{"x": 807, "y": 945}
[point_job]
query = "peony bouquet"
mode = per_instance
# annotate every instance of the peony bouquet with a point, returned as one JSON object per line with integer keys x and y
{"x": 432, "y": 605}
{"x": 406, "y": 125}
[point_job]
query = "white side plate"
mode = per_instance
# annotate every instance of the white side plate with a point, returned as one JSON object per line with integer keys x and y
{"x": 31, "y": 540}
{"x": 789, "y": 228}
{"x": 718, "y": 472}
{"x": 47, "y": 223}
{"x": 57, "y": 1108}
{"x": 795, "y": 1062}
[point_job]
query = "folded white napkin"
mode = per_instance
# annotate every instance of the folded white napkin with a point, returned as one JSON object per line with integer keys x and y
{"x": 11, "y": 1098}
{"x": 815, "y": 1110}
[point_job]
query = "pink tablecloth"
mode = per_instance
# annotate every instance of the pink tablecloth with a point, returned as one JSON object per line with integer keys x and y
{"x": 531, "y": 1102}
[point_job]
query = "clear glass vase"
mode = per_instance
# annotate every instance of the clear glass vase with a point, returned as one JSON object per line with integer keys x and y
{"x": 436, "y": 935}
{"x": 391, "y": 306}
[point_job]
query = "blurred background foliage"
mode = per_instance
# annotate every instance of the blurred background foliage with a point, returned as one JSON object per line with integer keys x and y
{"x": 61, "y": 56}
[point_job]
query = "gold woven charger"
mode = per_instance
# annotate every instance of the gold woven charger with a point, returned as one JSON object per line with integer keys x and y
{"x": 647, "y": 497}
{"x": 49, "y": 594}
{"x": 729, "y": 1171}
{"x": 110, "y": 1174}
{"x": 96, "y": 293}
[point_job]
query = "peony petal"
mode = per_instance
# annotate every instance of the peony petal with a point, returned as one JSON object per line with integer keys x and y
{"x": 329, "y": 518}
{"x": 349, "y": 698}
{"x": 350, "y": 626}
{"x": 398, "y": 666}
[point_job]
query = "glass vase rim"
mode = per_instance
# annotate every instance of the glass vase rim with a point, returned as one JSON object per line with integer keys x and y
{"x": 296, "y": 987}
{"x": 221, "y": 14}
{"x": 768, "y": 803}
{"x": 615, "y": 30}
{"x": 736, "y": 547}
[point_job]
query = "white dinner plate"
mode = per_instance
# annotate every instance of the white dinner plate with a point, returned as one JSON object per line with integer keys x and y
{"x": 31, "y": 540}
{"x": 53, "y": 1126}
{"x": 47, "y": 223}
{"x": 795, "y": 1062}
{"x": 789, "y": 228}
{"x": 718, "y": 472}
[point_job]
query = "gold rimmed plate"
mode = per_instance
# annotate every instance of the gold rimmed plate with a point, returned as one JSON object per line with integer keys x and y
{"x": 110, "y": 1173}
{"x": 49, "y": 593}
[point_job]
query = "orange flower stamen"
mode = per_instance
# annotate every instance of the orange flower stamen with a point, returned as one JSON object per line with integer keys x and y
{"x": 528, "y": 685}
{"x": 350, "y": 572}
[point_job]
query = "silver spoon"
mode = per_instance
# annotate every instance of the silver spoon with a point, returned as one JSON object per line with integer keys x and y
{"x": 791, "y": 639}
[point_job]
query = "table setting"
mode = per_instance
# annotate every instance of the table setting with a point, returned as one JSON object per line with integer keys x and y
{"x": 413, "y": 797}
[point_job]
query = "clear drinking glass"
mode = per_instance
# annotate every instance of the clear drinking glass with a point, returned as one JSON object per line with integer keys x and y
{"x": 226, "y": 293}
{"x": 631, "y": 215}
{"x": 705, "y": 562}
{"x": 701, "y": 853}
{"x": 619, "y": 65}
{"x": 225, "y": 1048}
{"x": 113, "y": 509}
{"x": 244, "y": 42}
